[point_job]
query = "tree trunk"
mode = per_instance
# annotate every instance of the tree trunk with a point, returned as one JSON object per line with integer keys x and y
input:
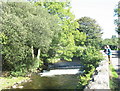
{"x": 32, "y": 50}
{"x": 38, "y": 55}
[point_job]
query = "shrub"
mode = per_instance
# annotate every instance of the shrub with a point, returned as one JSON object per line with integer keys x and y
{"x": 90, "y": 59}
{"x": 85, "y": 78}
{"x": 91, "y": 56}
{"x": 113, "y": 80}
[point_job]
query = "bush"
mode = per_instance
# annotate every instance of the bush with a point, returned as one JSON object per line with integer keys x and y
{"x": 17, "y": 73}
{"x": 113, "y": 80}
{"x": 79, "y": 51}
{"x": 90, "y": 59}
{"x": 91, "y": 56}
{"x": 36, "y": 63}
{"x": 113, "y": 72}
{"x": 85, "y": 78}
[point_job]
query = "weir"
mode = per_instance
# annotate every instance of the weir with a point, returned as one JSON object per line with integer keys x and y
{"x": 62, "y": 68}
{"x": 60, "y": 72}
{"x": 62, "y": 75}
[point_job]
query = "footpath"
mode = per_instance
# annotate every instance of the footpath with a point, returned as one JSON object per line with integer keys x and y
{"x": 100, "y": 79}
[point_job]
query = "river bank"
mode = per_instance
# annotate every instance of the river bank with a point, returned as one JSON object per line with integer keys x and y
{"x": 8, "y": 82}
{"x": 63, "y": 75}
{"x": 106, "y": 77}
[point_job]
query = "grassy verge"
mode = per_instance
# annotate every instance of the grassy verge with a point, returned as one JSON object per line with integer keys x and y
{"x": 10, "y": 81}
{"x": 113, "y": 79}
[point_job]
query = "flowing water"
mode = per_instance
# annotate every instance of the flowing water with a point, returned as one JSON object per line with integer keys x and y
{"x": 58, "y": 80}
{"x": 53, "y": 82}
{"x": 65, "y": 78}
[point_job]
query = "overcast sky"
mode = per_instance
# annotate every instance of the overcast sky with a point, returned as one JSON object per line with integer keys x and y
{"x": 100, "y": 10}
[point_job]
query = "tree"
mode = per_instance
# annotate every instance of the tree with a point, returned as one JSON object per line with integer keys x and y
{"x": 112, "y": 42}
{"x": 14, "y": 49}
{"x": 26, "y": 32}
{"x": 117, "y": 21}
{"x": 92, "y": 29}
{"x": 43, "y": 27}
{"x": 69, "y": 38}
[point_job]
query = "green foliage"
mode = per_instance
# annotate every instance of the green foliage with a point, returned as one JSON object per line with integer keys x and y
{"x": 23, "y": 26}
{"x": 3, "y": 38}
{"x": 114, "y": 82}
{"x": 79, "y": 51}
{"x": 17, "y": 73}
{"x": 14, "y": 50}
{"x": 36, "y": 64}
{"x": 89, "y": 59}
{"x": 91, "y": 55}
{"x": 118, "y": 43}
{"x": 112, "y": 42}
{"x": 92, "y": 29}
{"x": 49, "y": 27}
{"x": 56, "y": 8}
{"x": 85, "y": 78}
{"x": 41, "y": 29}
{"x": 113, "y": 72}
{"x": 79, "y": 38}
{"x": 65, "y": 44}
{"x": 117, "y": 21}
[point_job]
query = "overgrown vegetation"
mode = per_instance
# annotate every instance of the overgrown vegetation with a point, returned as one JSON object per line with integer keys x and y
{"x": 91, "y": 59}
{"x": 117, "y": 22}
{"x": 85, "y": 77}
{"x": 26, "y": 33}
{"x": 34, "y": 34}
{"x": 114, "y": 82}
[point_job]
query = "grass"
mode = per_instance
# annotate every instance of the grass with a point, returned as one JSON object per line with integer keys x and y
{"x": 113, "y": 72}
{"x": 6, "y": 82}
{"x": 113, "y": 79}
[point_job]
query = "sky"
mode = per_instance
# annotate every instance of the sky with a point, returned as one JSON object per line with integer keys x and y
{"x": 100, "y": 10}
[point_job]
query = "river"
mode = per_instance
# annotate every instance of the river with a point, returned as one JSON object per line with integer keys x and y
{"x": 52, "y": 82}
{"x": 65, "y": 78}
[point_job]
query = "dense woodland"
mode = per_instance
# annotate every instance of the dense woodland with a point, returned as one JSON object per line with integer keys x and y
{"x": 35, "y": 34}
{"x": 117, "y": 22}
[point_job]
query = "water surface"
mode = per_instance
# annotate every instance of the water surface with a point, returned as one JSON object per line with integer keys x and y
{"x": 54, "y": 82}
